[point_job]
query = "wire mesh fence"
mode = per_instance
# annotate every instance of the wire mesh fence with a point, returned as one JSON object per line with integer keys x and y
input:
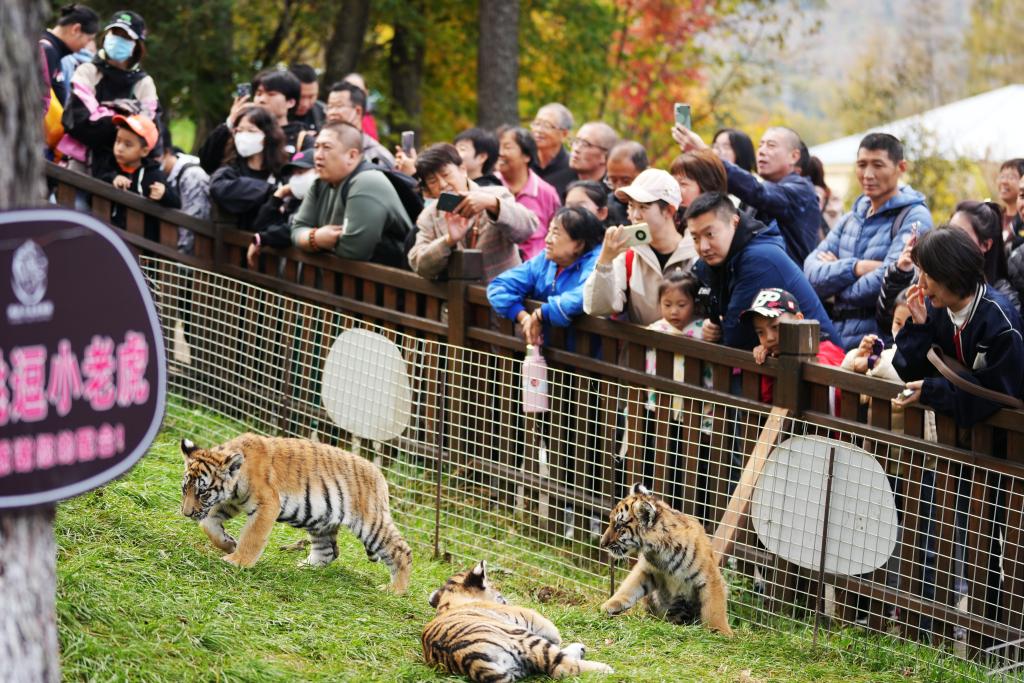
{"x": 824, "y": 533}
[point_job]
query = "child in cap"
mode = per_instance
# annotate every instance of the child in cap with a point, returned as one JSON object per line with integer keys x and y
{"x": 134, "y": 171}
{"x": 273, "y": 223}
{"x": 767, "y": 311}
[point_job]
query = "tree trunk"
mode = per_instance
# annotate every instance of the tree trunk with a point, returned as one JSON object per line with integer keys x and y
{"x": 497, "y": 64}
{"x": 211, "y": 104}
{"x": 405, "y": 64}
{"x": 28, "y": 616}
{"x": 341, "y": 55}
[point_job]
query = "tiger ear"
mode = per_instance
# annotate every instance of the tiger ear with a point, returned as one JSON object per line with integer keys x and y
{"x": 640, "y": 489}
{"x": 645, "y": 512}
{"x": 234, "y": 463}
{"x": 187, "y": 447}
{"x": 435, "y": 597}
{"x": 478, "y": 575}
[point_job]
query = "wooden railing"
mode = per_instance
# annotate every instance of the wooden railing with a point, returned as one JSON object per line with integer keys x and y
{"x": 609, "y": 355}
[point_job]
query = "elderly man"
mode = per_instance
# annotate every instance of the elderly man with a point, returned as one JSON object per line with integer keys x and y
{"x": 352, "y": 210}
{"x": 590, "y": 149}
{"x": 346, "y": 103}
{"x": 625, "y": 162}
{"x": 550, "y": 128}
{"x": 486, "y": 218}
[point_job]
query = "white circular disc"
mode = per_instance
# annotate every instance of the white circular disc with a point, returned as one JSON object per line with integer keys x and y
{"x": 365, "y": 386}
{"x": 788, "y": 506}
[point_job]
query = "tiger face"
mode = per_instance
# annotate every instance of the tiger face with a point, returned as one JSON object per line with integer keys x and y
{"x": 471, "y": 585}
{"x": 630, "y": 520}
{"x": 210, "y": 476}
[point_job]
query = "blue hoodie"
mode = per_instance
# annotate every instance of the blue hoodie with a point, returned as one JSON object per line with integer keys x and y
{"x": 859, "y": 236}
{"x": 538, "y": 278}
{"x": 757, "y": 259}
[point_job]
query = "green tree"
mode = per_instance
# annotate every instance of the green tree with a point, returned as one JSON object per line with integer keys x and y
{"x": 995, "y": 51}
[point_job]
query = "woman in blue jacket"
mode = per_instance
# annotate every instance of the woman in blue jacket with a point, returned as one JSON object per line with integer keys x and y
{"x": 554, "y": 276}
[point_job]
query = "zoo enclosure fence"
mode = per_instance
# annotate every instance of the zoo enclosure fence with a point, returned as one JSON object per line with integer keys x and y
{"x": 473, "y": 475}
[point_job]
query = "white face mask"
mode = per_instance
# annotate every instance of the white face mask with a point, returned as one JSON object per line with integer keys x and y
{"x": 248, "y": 143}
{"x": 300, "y": 184}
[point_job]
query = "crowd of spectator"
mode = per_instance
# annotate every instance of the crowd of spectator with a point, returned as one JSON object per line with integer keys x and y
{"x": 549, "y": 205}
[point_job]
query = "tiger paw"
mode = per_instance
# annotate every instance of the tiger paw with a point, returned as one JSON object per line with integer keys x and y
{"x": 600, "y": 667}
{"x": 575, "y": 650}
{"x": 300, "y": 544}
{"x": 231, "y": 559}
{"x": 611, "y": 607}
{"x": 228, "y": 543}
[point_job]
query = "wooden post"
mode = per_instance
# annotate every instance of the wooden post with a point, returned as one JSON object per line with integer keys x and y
{"x": 798, "y": 343}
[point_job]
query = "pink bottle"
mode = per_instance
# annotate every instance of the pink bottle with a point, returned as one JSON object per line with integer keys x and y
{"x": 535, "y": 381}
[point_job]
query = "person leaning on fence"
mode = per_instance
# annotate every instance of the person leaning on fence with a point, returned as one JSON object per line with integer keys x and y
{"x": 251, "y": 167}
{"x": 555, "y": 276}
{"x": 851, "y": 262}
{"x": 486, "y": 218}
{"x": 739, "y": 256}
{"x": 626, "y": 278}
{"x": 352, "y": 210}
{"x": 186, "y": 177}
{"x": 273, "y": 224}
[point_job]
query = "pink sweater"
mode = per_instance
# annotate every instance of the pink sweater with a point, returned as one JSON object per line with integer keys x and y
{"x": 542, "y": 199}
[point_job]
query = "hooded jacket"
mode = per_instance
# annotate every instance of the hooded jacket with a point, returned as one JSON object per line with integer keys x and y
{"x": 757, "y": 259}
{"x": 860, "y": 236}
{"x": 991, "y": 347}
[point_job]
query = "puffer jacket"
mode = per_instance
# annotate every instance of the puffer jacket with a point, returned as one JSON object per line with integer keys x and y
{"x": 860, "y": 236}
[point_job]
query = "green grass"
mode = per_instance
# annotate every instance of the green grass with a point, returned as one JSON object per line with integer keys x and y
{"x": 143, "y": 596}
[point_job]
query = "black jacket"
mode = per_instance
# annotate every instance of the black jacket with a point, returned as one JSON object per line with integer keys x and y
{"x": 54, "y": 49}
{"x": 240, "y": 191}
{"x": 141, "y": 181}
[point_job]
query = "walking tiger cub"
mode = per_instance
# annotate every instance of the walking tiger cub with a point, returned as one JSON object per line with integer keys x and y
{"x": 676, "y": 568}
{"x": 308, "y": 485}
{"x": 478, "y": 634}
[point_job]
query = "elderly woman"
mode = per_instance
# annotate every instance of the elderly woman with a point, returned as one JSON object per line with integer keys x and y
{"x": 554, "y": 276}
{"x": 516, "y": 152}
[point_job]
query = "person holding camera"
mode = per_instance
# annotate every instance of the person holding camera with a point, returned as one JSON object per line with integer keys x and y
{"x": 635, "y": 258}
{"x": 484, "y": 218}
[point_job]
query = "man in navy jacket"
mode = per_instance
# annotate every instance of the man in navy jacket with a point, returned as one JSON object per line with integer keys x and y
{"x": 739, "y": 256}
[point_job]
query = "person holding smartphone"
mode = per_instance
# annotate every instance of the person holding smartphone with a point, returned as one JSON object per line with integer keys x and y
{"x": 634, "y": 261}
{"x": 465, "y": 216}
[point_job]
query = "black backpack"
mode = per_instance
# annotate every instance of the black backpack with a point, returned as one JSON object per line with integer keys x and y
{"x": 407, "y": 189}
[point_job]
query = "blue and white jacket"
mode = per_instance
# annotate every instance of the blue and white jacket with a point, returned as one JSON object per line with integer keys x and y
{"x": 992, "y": 347}
{"x": 538, "y": 278}
{"x": 856, "y": 237}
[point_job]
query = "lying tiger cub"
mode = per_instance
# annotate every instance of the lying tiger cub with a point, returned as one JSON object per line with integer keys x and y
{"x": 676, "y": 568}
{"x": 477, "y": 634}
{"x": 305, "y": 484}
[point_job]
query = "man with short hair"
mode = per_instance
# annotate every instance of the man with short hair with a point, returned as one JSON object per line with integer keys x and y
{"x": 851, "y": 261}
{"x": 346, "y": 103}
{"x": 487, "y": 218}
{"x": 479, "y": 151}
{"x": 785, "y": 197}
{"x": 590, "y": 149}
{"x": 351, "y": 210}
{"x": 739, "y": 256}
{"x": 625, "y": 162}
{"x": 308, "y": 111}
{"x": 550, "y": 128}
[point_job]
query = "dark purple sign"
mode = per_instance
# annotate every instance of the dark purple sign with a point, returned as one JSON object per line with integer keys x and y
{"x": 83, "y": 376}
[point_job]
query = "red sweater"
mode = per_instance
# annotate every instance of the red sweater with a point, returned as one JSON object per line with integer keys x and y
{"x": 828, "y": 354}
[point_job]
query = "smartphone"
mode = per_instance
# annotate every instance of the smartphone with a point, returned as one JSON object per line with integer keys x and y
{"x": 243, "y": 90}
{"x": 683, "y": 115}
{"x": 408, "y": 141}
{"x": 448, "y": 201}
{"x": 905, "y": 394}
{"x": 637, "y": 234}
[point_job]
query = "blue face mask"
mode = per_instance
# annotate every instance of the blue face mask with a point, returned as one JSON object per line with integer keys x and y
{"x": 117, "y": 48}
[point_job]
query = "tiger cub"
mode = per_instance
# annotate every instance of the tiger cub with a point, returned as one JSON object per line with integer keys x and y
{"x": 305, "y": 484}
{"x": 478, "y": 634}
{"x": 676, "y": 568}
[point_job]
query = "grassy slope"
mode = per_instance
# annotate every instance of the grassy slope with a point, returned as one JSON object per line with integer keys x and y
{"x": 142, "y": 596}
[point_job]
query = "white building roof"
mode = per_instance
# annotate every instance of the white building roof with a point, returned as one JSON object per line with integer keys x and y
{"x": 987, "y": 126}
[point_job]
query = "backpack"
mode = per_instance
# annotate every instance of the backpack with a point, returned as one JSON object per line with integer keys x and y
{"x": 407, "y": 189}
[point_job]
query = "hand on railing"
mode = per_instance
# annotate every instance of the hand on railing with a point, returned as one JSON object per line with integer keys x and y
{"x": 712, "y": 332}
{"x": 122, "y": 182}
{"x": 533, "y": 326}
{"x": 912, "y": 394}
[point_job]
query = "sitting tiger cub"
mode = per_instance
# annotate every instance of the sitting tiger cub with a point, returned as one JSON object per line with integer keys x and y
{"x": 676, "y": 568}
{"x": 305, "y": 484}
{"x": 477, "y": 634}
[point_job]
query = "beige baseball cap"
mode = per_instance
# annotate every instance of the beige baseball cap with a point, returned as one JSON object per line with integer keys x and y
{"x": 650, "y": 186}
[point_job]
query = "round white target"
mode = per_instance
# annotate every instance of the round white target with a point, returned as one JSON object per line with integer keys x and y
{"x": 366, "y": 387}
{"x": 788, "y": 506}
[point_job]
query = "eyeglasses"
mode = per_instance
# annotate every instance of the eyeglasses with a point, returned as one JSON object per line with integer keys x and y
{"x": 585, "y": 144}
{"x": 541, "y": 124}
